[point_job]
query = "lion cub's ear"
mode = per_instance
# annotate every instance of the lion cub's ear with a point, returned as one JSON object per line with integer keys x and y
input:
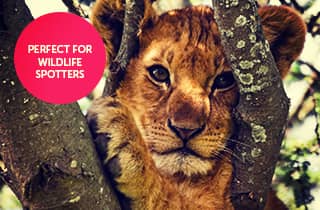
{"x": 107, "y": 17}
{"x": 285, "y": 30}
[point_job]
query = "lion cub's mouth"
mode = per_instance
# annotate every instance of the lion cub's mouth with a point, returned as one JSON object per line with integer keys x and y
{"x": 182, "y": 161}
{"x": 182, "y": 151}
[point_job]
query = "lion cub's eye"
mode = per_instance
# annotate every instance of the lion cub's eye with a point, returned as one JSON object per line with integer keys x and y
{"x": 159, "y": 73}
{"x": 224, "y": 81}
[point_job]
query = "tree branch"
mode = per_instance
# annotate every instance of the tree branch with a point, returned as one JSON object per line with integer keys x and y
{"x": 75, "y": 7}
{"x": 313, "y": 26}
{"x": 134, "y": 12}
{"x": 311, "y": 67}
{"x": 295, "y": 4}
{"x": 50, "y": 161}
{"x": 263, "y": 105}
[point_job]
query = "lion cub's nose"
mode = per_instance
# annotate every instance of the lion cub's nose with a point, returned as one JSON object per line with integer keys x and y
{"x": 184, "y": 133}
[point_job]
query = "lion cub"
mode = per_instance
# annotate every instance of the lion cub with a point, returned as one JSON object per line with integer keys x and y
{"x": 170, "y": 123}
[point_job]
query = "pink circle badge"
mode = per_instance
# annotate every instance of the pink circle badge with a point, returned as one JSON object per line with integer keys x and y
{"x": 59, "y": 58}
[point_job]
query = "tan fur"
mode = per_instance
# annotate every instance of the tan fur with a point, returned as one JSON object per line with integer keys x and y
{"x": 144, "y": 154}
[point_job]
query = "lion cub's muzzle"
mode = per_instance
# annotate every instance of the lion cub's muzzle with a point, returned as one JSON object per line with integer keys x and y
{"x": 188, "y": 111}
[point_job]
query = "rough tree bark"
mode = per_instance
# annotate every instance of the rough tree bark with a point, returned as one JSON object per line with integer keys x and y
{"x": 50, "y": 161}
{"x": 263, "y": 107}
{"x": 134, "y": 11}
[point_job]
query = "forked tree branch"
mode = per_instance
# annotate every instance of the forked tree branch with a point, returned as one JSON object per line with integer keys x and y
{"x": 50, "y": 161}
{"x": 262, "y": 111}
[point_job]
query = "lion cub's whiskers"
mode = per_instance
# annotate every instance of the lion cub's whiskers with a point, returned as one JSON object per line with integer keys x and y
{"x": 222, "y": 148}
{"x": 238, "y": 142}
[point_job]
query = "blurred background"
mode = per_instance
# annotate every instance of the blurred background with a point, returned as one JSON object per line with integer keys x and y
{"x": 297, "y": 176}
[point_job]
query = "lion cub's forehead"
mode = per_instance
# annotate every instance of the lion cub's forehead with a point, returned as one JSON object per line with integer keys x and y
{"x": 186, "y": 42}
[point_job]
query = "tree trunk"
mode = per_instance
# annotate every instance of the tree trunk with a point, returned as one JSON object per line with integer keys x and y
{"x": 47, "y": 149}
{"x": 263, "y": 107}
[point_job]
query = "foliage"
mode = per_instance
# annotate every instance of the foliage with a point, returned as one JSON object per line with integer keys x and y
{"x": 297, "y": 173}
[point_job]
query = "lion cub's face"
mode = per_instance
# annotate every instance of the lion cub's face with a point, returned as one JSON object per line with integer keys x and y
{"x": 181, "y": 92}
{"x": 179, "y": 87}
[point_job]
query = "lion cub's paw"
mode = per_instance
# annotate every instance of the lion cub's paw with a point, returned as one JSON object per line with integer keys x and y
{"x": 116, "y": 121}
{"x": 124, "y": 146}
{"x": 113, "y": 116}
